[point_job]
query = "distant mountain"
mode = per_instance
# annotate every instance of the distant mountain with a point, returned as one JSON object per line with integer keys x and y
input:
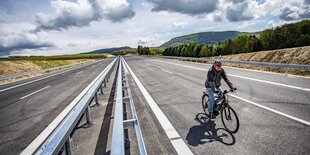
{"x": 107, "y": 50}
{"x": 203, "y": 38}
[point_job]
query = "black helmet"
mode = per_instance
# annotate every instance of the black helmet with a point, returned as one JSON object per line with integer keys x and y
{"x": 217, "y": 63}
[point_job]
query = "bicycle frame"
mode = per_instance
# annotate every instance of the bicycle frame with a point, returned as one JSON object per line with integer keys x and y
{"x": 225, "y": 102}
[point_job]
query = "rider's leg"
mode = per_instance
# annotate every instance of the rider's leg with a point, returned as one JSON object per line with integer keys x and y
{"x": 211, "y": 99}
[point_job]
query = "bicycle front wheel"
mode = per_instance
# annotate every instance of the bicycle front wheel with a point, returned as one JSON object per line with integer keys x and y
{"x": 230, "y": 119}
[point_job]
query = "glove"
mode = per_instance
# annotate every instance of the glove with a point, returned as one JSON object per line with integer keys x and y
{"x": 233, "y": 89}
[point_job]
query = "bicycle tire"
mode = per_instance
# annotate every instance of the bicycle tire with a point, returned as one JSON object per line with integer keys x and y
{"x": 224, "y": 112}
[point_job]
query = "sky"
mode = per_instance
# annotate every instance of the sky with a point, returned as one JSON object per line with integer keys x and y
{"x": 55, "y": 27}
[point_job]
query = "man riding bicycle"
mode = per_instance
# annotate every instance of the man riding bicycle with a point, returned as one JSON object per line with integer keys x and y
{"x": 214, "y": 77}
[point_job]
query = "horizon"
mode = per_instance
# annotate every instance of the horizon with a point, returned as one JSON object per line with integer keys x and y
{"x": 33, "y": 27}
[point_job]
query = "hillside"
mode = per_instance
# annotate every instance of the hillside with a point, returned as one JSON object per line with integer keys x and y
{"x": 298, "y": 55}
{"x": 203, "y": 38}
{"x": 107, "y": 50}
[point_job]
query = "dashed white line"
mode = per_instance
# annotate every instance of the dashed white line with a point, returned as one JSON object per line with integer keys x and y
{"x": 34, "y": 92}
{"x": 175, "y": 139}
{"x": 79, "y": 72}
{"x": 248, "y": 78}
{"x": 272, "y": 110}
{"x": 166, "y": 71}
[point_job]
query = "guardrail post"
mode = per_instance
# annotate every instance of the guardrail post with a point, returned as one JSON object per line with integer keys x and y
{"x": 67, "y": 147}
{"x": 101, "y": 89}
{"x": 96, "y": 98}
{"x": 88, "y": 123}
{"x": 105, "y": 83}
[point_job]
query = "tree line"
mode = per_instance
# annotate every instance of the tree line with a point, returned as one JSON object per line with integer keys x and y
{"x": 143, "y": 50}
{"x": 286, "y": 36}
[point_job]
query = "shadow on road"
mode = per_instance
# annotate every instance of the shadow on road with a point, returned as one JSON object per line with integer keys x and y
{"x": 206, "y": 132}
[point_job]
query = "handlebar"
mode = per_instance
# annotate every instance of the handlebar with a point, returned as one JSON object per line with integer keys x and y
{"x": 231, "y": 90}
{"x": 226, "y": 91}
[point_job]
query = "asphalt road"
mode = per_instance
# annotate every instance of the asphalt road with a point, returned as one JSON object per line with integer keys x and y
{"x": 177, "y": 88}
{"x": 28, "y": 106}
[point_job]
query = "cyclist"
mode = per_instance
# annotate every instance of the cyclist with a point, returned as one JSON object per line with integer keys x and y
{"x": 214, "y": 77}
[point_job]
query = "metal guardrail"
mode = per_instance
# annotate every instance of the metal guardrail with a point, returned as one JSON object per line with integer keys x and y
{"x": 254, "y": 63}
{"x": 57, "y": 136}
{"x": 123, "y": 95}
{"x": 37, "y": 71}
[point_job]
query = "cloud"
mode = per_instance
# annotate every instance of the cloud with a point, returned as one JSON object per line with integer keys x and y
{"x": 239, "y": 13}
{"x": 235, "y": 10}
{"x": 72, "y": 45}
{"x": 82, "y": 12}
{"x": 214, "y": 10}
{"x": 179, "y": 24}
{"x": 288, "y": 10}
{"x": 236, "y": 1}
{"x": 114, "y": 10}
{"x": 147, "y": 39}
{"x": 189, "y": 7}
{"x": 295, "y": 13}
{"x": 20, "y": 42}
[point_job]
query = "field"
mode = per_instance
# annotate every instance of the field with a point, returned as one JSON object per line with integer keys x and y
{"x": 20, "y": 64}
{"x": 298, "y": 55}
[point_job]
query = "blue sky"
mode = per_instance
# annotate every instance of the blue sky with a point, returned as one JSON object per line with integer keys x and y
{"x": 43, "y": 27}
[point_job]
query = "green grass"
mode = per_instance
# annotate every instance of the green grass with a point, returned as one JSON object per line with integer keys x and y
{"x": 51, "y": 63}
{"x": 132, "y": 51}
{"x": 157, "y": 50}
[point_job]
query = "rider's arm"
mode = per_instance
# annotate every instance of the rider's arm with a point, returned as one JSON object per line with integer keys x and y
{"x": 224, "y": 76}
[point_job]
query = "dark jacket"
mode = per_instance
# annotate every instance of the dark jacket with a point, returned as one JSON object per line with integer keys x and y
{"x": 214, "y": 79}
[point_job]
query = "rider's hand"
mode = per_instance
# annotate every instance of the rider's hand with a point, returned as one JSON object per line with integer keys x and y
{"x": 233, "y": 89}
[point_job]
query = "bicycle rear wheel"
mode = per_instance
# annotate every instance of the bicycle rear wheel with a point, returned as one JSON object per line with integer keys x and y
{"x": 205, "y": 102}
{"x": 230, "y": 119}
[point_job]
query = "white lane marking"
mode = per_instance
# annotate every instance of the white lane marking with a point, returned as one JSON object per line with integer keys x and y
{"x": 147, "y": 64}
{"x": 176, "y": 140}
{"x": 272, "y": 110}
{"x": 79, "y": 72}
{"x": 166, "y": 71}
{"x": 31, "y": 148}
{"x": 248, "y": 78}
{"x": 34, "y": 92}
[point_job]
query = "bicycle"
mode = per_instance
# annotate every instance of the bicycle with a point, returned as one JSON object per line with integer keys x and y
{"x": 228, "y": 114}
